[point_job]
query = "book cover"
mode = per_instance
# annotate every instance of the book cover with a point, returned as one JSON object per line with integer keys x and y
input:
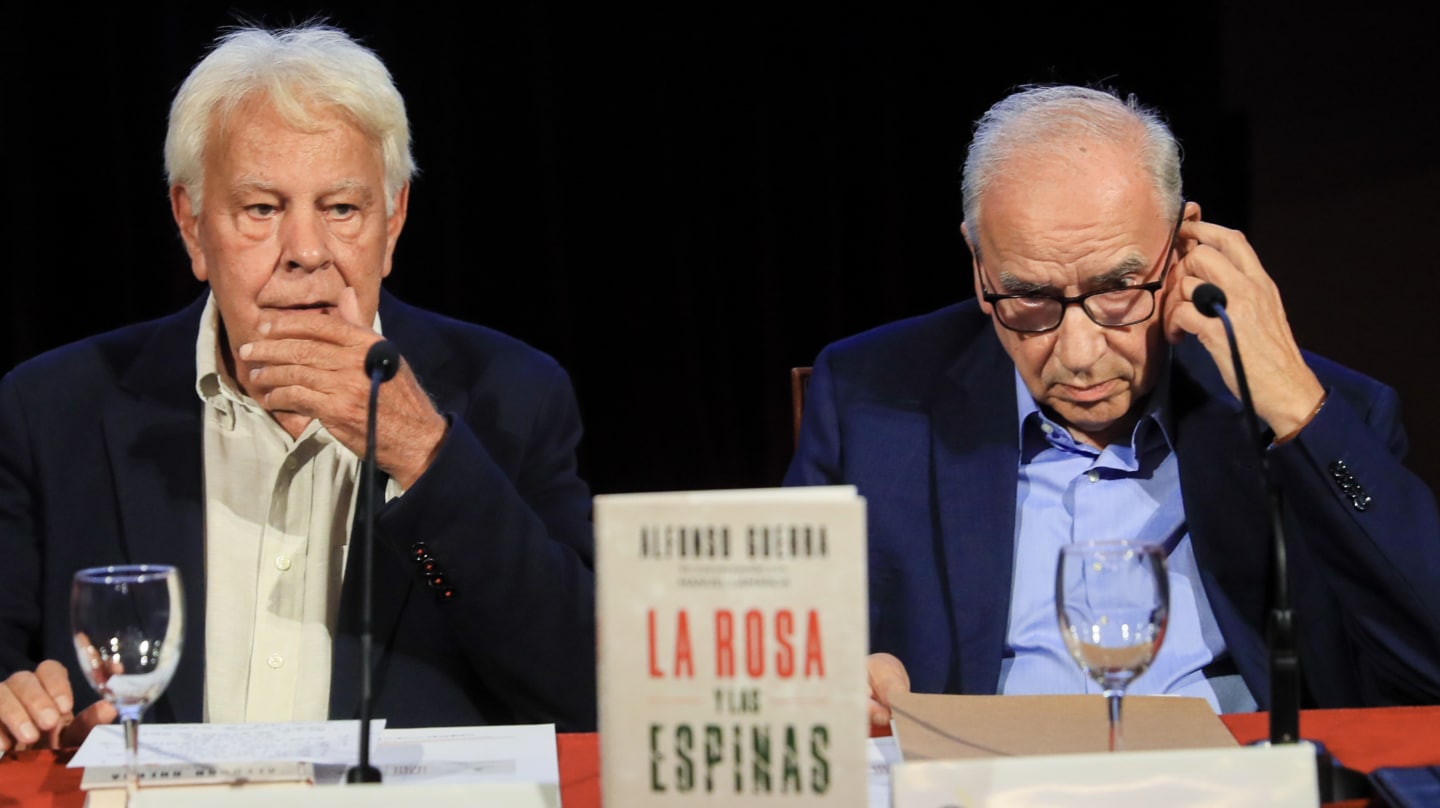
{"x": 732, "y": 642}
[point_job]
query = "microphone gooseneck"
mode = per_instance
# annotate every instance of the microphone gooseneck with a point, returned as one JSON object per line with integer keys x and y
{"x": 381, "y": 363}
{"x": 1335, "y": 780}
{"x": 1280, "y": 639}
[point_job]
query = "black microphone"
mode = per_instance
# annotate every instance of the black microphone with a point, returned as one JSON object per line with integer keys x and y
{"x": 381, "y": 363}
{"x": 1336, "y": 782}
{"x": 384, "y": 358}
{"x": 1207, "y": 298}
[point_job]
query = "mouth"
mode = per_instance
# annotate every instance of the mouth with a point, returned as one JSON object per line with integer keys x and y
{"x": 1078, "y": 394}
{"x": 320, "y": 306}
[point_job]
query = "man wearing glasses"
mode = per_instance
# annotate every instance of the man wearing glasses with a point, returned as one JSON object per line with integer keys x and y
{"x": 1083, "y": 396}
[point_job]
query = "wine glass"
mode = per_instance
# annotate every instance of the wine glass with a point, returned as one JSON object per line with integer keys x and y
{"x": 1113, "y": 601}
{"x": 128, "y": 623}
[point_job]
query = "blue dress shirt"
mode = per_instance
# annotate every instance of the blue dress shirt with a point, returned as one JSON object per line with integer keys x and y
{"x": 1072, "y": 492}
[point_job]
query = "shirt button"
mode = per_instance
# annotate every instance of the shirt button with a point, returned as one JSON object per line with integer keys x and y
{"x": 291, "y": 463}
{"x": 1046, "y": 428}
{"x": 1093, "y": 475}
{"x": 275, "y": 661}
{"x": 282, "y": 563}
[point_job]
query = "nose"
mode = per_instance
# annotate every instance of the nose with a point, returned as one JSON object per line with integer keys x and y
{"x": 1079, "y": 340}
{"x": 305, "y": 241}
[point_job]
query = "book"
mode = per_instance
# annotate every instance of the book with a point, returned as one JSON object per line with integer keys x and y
{"x": 733, "y": 633}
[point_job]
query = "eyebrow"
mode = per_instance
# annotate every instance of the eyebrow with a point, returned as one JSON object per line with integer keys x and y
{"x": 249, "y": 186}
{"x": 256, "y": 185}
{"x": 345, "y": 186}
{"x": 1010, "y": 284}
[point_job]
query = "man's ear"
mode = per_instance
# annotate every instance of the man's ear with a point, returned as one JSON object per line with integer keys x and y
{"x": 188, "y": 222}
{"x": 394, "y": 223}
{"x": 974, "y": 265}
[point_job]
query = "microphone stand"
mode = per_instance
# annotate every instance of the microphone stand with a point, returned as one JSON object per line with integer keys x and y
{"x": 1336, "y": 781}
{"x": 381, "y": 362}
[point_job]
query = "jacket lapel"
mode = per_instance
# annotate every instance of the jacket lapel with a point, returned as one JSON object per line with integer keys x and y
{"x": 1224, "y": 508}
{"x": 974, "y": 455}
{"x": 154, "y": 449}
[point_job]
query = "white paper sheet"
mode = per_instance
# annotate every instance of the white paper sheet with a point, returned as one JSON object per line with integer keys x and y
{"x": 312, "y": 741}
{"x": 881, "y": 753}
{"x": 451, "y": 755}
{"x": 440, "y": 756}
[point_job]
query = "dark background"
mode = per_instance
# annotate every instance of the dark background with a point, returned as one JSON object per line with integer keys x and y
{"x": 682, "y": 201}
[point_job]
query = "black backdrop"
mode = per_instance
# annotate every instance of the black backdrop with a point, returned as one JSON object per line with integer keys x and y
{"x": 681, "y": 201}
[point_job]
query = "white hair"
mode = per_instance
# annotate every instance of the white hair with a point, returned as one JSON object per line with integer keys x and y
{"x": 1037, "y": 118}
{"x": 300, "y": 71}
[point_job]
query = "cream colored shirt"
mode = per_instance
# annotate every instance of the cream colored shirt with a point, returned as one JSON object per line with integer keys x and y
{"x": 278, "y": 512}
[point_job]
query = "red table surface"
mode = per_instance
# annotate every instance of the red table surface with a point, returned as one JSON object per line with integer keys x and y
{"x": 39, "y": 779}
{"x": 1361, "y": 739}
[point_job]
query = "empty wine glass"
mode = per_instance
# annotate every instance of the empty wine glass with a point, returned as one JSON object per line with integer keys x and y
{"x": 1113, "y": 601}
{"x": 128, "y": 623}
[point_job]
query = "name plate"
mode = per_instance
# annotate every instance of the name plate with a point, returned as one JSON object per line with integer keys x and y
{"x": 491, "y": 795}
{"x": 200, "y": 774}
{"x": 1241, "y": 777}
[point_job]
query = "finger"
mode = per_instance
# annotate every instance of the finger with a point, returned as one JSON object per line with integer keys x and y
{"x": 307, "y": 352}
{"x": 15, "y": 715}
{"x": 331, "y": 381}
{"x": 314, "y": 325}
{"x": 100, "y": 713}
{"x": 350, "y": 308}
{"x": 335, "y": 409}
{"x": 36, "y": 701}
{"x": 1181, "y": 316}
{"x": 879, "y": 713}
{"x": 1229, "y": 243}
{"x": 887, "y": 676}
{"x": 56, "y": 680}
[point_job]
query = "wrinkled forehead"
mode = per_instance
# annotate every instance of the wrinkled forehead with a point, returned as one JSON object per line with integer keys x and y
{"x": 1082, "y": 213}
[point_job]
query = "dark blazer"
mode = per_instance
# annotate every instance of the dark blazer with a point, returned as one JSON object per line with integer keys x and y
{"x": 100, "y": 463}
{"x": 920, "y": 415}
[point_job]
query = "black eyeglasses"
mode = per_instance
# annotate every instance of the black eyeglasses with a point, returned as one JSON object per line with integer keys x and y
{"x": 1033, "y": 313}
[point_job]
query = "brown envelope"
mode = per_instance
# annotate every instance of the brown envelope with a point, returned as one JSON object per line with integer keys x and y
{"x": 931, "y": 726}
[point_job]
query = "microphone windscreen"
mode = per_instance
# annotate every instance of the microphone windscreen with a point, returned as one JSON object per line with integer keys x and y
{"x": 384, "y": 358}
{"x": 1209, "y": 299}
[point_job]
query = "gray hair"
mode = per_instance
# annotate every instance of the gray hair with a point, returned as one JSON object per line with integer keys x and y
{"x": 1036, "y": 117}
{"x": 299, "y": 71}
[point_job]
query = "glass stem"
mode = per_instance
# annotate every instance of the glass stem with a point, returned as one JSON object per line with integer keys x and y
{"x": 132, "y": 758}
{"x": 1113, "y": 698}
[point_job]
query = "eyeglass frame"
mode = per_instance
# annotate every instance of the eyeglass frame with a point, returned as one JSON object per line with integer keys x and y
{"x": 1066, "y": 302}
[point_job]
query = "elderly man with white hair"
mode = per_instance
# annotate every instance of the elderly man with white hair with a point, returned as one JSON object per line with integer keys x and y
{"x": 225, "y": 440}
{"x": 1082, "y": 396}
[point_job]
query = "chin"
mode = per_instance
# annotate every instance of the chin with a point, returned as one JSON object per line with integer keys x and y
{"x": 1094, "y": 419}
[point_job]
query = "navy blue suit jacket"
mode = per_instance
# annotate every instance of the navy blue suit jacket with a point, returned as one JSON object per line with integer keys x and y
{"x": 920, "y": 415}
{"x": 100, "y": 463}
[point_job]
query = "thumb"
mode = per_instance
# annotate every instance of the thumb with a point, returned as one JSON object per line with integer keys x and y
{"x": 350, "y": 307}
{"x": 101, "y": 712}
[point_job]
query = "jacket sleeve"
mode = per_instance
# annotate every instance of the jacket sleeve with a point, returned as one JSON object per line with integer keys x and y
{"x": 1364, "y": 544}
{"x": 515, "y": 540}
{"x": 20, "y": 577}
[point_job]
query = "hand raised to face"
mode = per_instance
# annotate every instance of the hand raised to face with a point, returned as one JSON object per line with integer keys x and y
{"x": 310, "y": 364}
{"x": 1284, "y": 389}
